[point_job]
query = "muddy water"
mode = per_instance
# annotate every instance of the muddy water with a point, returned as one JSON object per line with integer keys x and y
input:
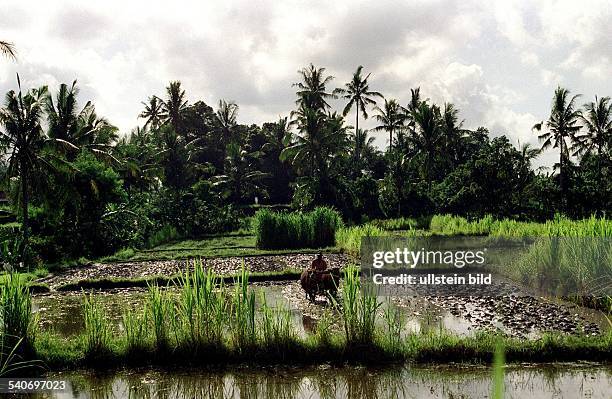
{"x": 525, "y": 382}
{"x": 63, "y": 314}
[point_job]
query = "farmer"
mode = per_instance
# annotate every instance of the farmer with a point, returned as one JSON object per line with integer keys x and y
{"x": 318, "y": 265}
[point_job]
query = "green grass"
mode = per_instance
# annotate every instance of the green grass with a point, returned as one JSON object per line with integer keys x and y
{"x": 284, "y": 230}
{"x": 237, "y": 244}
{"x": 560, "y": 226}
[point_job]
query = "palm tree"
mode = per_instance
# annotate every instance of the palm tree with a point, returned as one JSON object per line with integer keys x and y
{"x": 426, "y": 135}
{"x": 241, "y": 179}
{"x": 391, "y": 119}
{"x": 311, "y": 90}
{"x": 174, "y": 106}
{"x": 22, "y": 140}
{"x": 153, "y": 113}
{"x": 597, "y": 119}
{"x": 562, "y": 126}
{"x": 8, "y": 50}
{"x": 362, "y": 145}
{"x": 358, "y": 94}
{"x": 321, "y": 137}
{"x": 227, "y": 115}
{"x": 452, "y": 131}
{"x": 73, "y": 130}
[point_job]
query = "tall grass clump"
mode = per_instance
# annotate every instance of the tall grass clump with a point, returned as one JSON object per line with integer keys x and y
{"x": 280, "y": 230}
{"x": 136, "y": 326}
{"x": 18, "y": 323}
{"x": 97, "y": 329}
{"x": 201, "y": 309}
{"x": 160, "y": 308}
{"x": 242, "y": 314}
{"x": 359, "y": 306}
{"x": 17, "y": 327}
{"x": 349, "y": 238}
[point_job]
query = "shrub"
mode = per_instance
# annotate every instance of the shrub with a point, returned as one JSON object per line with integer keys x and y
{"x": 316, "y": 229}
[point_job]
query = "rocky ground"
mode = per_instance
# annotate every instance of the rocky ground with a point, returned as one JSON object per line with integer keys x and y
{"x": 222, "y": 266}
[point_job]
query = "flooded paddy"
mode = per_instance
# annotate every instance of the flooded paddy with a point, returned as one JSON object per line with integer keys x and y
{"x": 525, "y": 317}
{"x": 526, "y": 381}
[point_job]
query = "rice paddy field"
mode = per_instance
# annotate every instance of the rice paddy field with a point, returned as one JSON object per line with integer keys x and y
{"x": 222, "y": 301}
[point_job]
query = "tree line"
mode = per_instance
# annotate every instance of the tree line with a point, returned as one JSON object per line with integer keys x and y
{"x": 81, "y": 188}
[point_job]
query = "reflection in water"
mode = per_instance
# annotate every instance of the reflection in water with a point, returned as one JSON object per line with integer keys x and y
{"x": 558, "y": 381}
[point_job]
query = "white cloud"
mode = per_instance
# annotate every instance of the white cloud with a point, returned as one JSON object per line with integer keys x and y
{"x": 498, "y": 61}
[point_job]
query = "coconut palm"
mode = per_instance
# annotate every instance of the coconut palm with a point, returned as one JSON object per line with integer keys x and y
{"x": 22, "y": 140}
{"x": 153, "y": 113}
{"x": 358, "y": 94}
{"x": 426, "y": 135}
{"x": 597, "y": 119}
{"x": 321, "y": 137}
{"x": 8, "y": 50}
{"x": 241, "y": 179}
{"x": 391, "y": 119}
{"x": 72, "y": 129}
{"x": 452, "y": 132}
{"x": 227, "y": 115}
{"x": 362, "y": 146}
{"x": 311, "y": 90}
{"x": 562, "y": 126}
{"x": 174, "y": 106}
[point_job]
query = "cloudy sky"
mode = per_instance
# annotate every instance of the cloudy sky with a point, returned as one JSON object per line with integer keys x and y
{"x": 498, "y": 61}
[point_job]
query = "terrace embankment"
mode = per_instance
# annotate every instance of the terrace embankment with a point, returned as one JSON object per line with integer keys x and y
{"x": 224, "y": 266}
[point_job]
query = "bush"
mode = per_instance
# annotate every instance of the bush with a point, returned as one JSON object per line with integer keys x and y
{"x": 316, "y": 229}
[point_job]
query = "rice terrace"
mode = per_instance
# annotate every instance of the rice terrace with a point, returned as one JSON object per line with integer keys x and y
{"x": 364, "y": 244}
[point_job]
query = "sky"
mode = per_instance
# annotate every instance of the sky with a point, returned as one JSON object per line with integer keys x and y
{"x": 499, "y": 62}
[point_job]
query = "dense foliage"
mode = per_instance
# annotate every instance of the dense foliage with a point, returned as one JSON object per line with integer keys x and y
{"x": 78, "y": 187}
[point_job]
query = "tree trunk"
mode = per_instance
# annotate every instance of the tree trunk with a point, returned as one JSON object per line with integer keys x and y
{"x": 562, "y": 177}
{"x": 356, "y": 132}
{"x": 24, "y": 209}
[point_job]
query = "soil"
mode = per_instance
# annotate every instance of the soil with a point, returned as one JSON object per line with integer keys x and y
{"x": 221, "y": 266}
